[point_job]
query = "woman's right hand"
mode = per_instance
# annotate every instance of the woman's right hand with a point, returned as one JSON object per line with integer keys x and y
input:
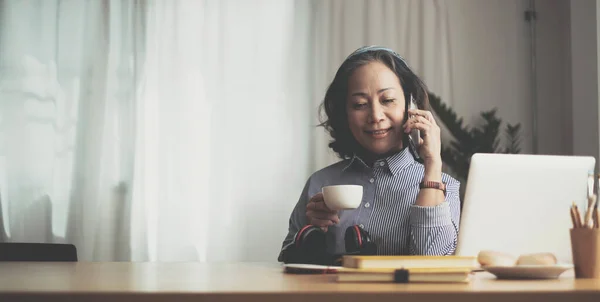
{"x": 318, "y": 214}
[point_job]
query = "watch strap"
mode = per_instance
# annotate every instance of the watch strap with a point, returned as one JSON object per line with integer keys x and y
{"x": 433, "y": 185}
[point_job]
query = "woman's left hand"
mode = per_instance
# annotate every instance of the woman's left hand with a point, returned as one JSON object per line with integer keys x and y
{"x": 430, "y": 143}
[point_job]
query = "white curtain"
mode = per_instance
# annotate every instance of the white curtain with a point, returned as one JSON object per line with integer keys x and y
{"x": 179, "y": 130}
{"x": 153, "y": 130}
{"x": 416, "y": 29}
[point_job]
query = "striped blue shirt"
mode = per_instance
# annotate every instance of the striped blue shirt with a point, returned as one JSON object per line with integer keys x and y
{"x": 387, "y": 211}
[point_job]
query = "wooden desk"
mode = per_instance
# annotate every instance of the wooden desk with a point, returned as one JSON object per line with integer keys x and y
{"x": 255, "y": 282}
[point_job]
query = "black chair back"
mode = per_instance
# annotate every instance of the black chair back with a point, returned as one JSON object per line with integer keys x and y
{"x": 16, "y": 251}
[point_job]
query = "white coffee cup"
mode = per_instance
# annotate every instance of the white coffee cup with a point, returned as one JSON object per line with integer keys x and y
{"x": 342, "y": 197}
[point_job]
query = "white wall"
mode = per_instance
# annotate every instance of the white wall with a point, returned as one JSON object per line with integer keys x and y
{"x": 568, "y": 53}
{"x": 598, "y": 68}
{"x": 584, "y": 60}
{"x": 553, "y": 61}
{"x": 490, "y": 55}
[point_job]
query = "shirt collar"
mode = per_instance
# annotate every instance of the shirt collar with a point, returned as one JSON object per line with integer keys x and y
{"x": 395, "y": 163}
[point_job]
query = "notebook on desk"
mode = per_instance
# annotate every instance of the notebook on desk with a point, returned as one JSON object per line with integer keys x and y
{"x": 386, "y": 262}
{"x": 344, "y": 274}
{"x": 519, "y": 204}
{"x": 437, "y": 275}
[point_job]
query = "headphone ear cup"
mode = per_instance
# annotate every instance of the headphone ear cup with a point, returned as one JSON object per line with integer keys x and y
{"x": 309, "y": 246}
{"x": 369, "y": 247}
{"x": 311, "y": 241}
{"x": 358, "y": 241}
{"x": 353, "y": 239}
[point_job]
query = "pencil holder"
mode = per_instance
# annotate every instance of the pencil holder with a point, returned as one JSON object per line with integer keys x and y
{"x": 585, "y": 247}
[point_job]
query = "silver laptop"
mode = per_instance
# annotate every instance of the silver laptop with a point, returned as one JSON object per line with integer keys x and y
{"x": 520, "y": 203}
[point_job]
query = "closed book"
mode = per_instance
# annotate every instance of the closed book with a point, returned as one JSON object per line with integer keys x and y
{"x": 409, "y": 261}
{"x": 421, "y": 275}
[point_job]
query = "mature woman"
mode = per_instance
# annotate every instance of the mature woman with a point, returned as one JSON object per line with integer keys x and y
{"x": 409, "y": 206}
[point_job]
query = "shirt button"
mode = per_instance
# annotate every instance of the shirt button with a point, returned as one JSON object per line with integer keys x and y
{"x": 362, "y": 226}
{"x": 382, "y": 164}
{"x": 367, "y": 205}
{"x": 372, "y": 180}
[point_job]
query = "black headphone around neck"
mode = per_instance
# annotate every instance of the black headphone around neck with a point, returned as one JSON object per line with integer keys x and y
{"x": 310, "y": 246}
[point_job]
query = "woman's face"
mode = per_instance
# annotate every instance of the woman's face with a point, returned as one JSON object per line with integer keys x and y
{"x": 375, "y": 107}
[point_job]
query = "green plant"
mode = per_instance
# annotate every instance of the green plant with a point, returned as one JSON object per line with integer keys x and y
{"x": 466, "y": 141}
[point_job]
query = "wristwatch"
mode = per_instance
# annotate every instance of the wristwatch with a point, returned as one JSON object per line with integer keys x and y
{"x": 433, "y": 185}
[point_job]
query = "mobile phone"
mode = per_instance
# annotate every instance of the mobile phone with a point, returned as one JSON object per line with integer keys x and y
{"x": 414, "y": 133}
